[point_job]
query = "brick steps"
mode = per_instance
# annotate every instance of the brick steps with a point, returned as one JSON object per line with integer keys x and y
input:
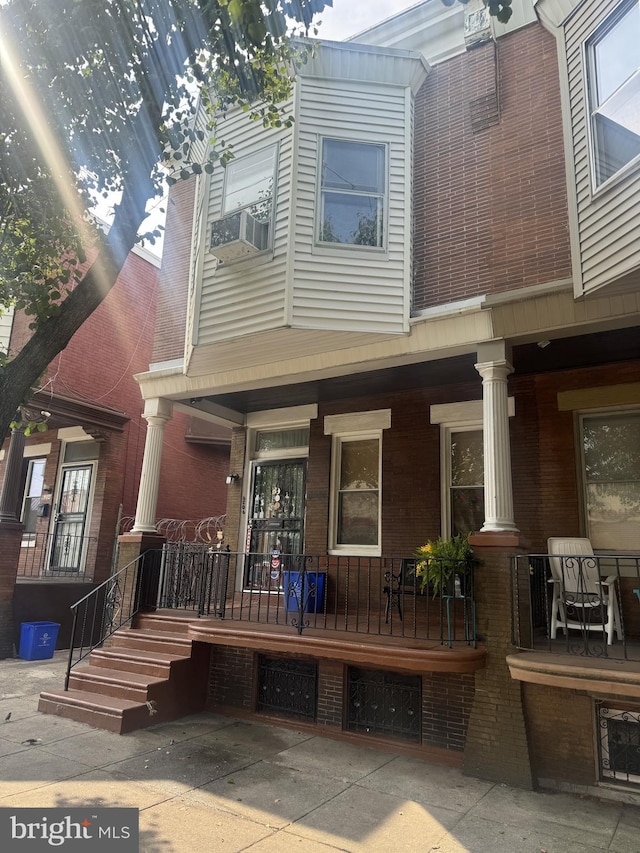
{"x": 150, "y": 673}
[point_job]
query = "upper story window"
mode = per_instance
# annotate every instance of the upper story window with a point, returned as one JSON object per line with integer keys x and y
{"x": 613, "y": 60}
{"x": 352, "y": 193}
{"x": 245, "y": 227}
{"x": 249, "y": 183}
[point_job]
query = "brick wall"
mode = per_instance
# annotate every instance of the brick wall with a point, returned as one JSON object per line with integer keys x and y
{"x": 561, "y": 732}
{"x": 446, "y": 704}
{"x": 410, "y": 467}
{"x": 231, "y": 678}
{"x": 496, "y": 747}
{"x": 330, "y": 693}
{"x": 490, "y": 196}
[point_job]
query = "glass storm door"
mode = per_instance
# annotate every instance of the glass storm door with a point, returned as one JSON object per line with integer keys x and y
{"x": 276, "y": 522}
{"x": 70, "y": 519}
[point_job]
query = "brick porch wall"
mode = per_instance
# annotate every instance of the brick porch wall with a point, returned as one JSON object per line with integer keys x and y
{"x": 446, "y": 697}
{"x": 497, "y": 747}
{"x": 561, "y": 732}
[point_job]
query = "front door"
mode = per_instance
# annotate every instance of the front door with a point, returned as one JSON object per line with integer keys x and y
{"x": 276, "y": 523}
{"x": 70, "y": 519}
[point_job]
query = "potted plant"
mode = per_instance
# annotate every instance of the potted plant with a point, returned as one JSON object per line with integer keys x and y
{"x": 442, "y": 562}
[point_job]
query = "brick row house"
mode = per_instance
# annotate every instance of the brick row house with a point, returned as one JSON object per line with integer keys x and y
{"x": 417, "y": 311}
{"x": 76, "y": 483}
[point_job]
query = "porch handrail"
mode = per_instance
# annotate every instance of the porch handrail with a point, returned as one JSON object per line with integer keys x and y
{"x": 346, "y": 593}
{"x": 109, "y": 606}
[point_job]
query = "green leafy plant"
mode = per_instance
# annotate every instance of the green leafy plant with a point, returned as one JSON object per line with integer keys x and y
{"x": 440, "y": 560}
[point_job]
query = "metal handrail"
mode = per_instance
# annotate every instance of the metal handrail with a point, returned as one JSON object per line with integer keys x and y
{"x": 112, "y": 604}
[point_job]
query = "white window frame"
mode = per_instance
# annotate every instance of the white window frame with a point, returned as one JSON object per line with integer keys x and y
{"x": 446, "y": 431}
{"x": 591, "y": 97}
{"x": 383, "y": 196}
{"x": 358, "y": 426}
{"x": 28, "y": 536}
{"x": 237, "y": 163}
{"x": 581, "y": 417}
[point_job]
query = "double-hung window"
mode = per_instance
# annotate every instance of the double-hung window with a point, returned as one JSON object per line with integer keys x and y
{"x": 611, "y": 473}
{"x": 352, "y": 193}
{"x": 249, "y": 183}
{"x": 355, "y": 522}
{"x": 464, "y": 481}
{"x": 613, "y": 61}
{"x": 32, "y": 500}
{"x": 247, "y": 205}
{"x": 357, "y": 492}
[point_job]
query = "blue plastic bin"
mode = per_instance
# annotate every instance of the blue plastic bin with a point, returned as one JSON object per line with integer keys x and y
{"x": 313, "y": 591}
{"x": 38, "y": 640}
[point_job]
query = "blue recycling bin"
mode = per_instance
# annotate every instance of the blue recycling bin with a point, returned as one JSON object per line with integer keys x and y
{"x": 38, "y": 640}
{"x": 313, "y": 597}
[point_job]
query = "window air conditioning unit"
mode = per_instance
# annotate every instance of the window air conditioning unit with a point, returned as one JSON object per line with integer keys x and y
{"x": 238, "y": 235}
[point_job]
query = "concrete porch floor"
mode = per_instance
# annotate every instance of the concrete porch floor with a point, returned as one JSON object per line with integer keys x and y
{"x": 212, "y": 782}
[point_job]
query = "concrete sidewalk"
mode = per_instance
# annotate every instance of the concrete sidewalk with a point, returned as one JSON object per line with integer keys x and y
{"x": 213, "y": 783}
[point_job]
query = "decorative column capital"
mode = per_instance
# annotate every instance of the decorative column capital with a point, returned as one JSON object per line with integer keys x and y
{"x": 494, "y": 370}
{"x": 159, "y": 408}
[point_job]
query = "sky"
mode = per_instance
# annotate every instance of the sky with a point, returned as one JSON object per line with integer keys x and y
{"x": 349, "y": 17}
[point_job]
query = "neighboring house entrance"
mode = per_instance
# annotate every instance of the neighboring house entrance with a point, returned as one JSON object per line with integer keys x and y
{"x": 276, "y": 521}
{"x": 70, "y": 519}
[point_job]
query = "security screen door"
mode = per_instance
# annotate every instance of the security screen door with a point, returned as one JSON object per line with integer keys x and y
{"x": 276, "y": 522}
{"x": 70, "y": 519}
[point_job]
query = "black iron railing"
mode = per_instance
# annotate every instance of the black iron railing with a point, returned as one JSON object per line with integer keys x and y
{"x": 194, "y": 577}
{"x": 582, "y": 604}
{"x": 47, "y": 555}
{"x": 364, "y": 595}
{"x": 111, "y": 605}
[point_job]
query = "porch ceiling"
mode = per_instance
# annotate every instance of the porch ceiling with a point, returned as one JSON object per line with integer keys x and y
{"x": 561, "y": 354}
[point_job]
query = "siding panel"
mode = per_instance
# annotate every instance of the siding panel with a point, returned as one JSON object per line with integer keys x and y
{"x": 247, "y": 296}
{"x": 342, "y": 287}
{"x": 608, "y": 224}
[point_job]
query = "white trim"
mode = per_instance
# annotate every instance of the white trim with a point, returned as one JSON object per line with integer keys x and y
{"x": 32, "y": 450}
{"x": 463, "y": 412}
{"x": 73, "y": 434}
{"x": 284, "y": 418}
{"x": 445, "y": 467}
{"x": 337, "y": 441}
{"x": 327, "y": 245}
{"x": 357, "y": 422}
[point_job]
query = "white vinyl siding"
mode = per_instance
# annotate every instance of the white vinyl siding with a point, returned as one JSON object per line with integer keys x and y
{"x": 346, "y": 93}
{"x": 247, "y": 296}
{"x": 607, "y": 225}
{"x": 346, "y": 287}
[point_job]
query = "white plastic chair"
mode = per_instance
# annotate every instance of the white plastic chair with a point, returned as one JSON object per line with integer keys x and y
{"x": 578, "y": 588}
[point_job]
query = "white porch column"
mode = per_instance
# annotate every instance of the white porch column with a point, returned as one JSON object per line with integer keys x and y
{"x": 498, "y": 489}
{"x": 156, "y": 412}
